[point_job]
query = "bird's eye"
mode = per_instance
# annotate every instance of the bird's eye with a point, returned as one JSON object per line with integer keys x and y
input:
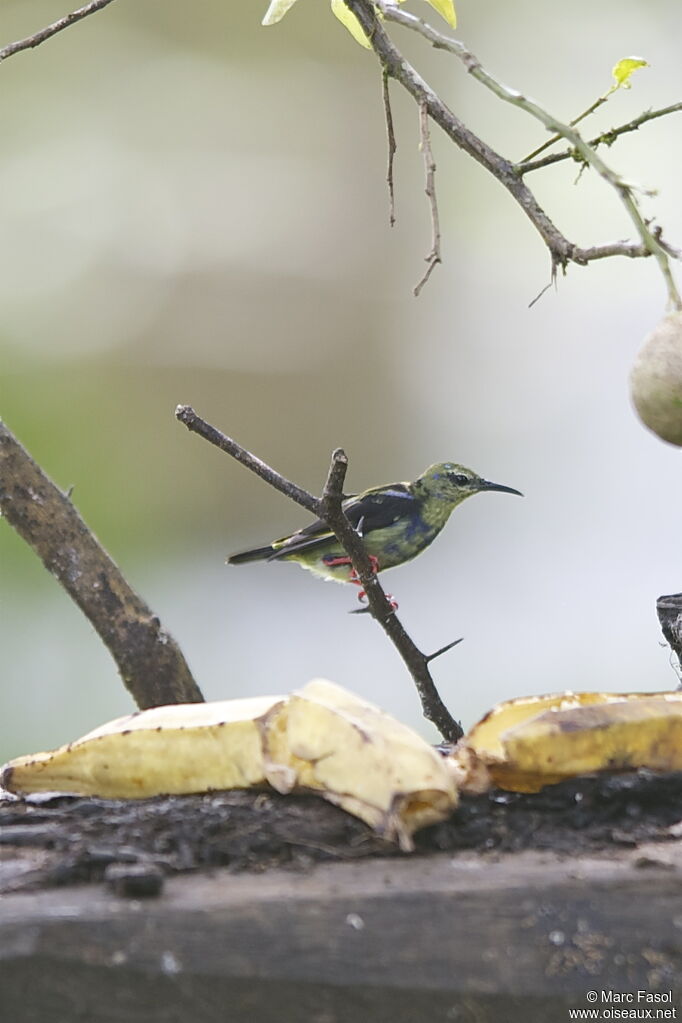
{"x": 460, "y": 479}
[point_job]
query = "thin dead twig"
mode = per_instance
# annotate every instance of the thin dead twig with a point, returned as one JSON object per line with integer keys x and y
{"x": 434, "y": 256}
{"x": 51, "y": 30}
{"x": 392, "y": 147}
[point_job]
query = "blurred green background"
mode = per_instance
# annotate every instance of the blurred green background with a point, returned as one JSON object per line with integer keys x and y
{"x": 193, "y": 209}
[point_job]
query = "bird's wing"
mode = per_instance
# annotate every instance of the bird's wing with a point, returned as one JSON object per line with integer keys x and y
{"x": 373, "y": 509}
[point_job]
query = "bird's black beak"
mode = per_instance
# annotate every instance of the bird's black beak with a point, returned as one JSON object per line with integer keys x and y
{"x": 487, "y": 485}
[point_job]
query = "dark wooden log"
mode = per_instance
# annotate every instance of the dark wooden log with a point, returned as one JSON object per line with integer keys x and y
{"x": 515, "y": 938}
{"x": 669, "y": 611}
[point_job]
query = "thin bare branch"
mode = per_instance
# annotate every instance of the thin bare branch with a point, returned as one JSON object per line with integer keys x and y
{"x": 51, "y": 30}
{"x": 392, "y": 147}
{"x": 150, "y": 663}
{"x": 329, "y": 508}
{"x": 607, "y": 138}
{"x": 434, "y": 256}
{"x": 193, "y": 422}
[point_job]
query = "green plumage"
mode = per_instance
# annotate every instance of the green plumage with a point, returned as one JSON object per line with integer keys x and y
{"x": 396, "y": 521}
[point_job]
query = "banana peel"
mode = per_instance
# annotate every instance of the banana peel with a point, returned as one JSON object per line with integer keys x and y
{"x": 182, "y": 748}
{"x": 360, "y": 758}
{"x": 524, "y": 744}
{"x": 324, "y": 739}
{"x": 321, "y": 738}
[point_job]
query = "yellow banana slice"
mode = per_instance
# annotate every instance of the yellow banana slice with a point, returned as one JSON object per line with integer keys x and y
{"x": 186, "y": 747}
{"x": 525, "y": 744}
{"x": 360, "y": 758}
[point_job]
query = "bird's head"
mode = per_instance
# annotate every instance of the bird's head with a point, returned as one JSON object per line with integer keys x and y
{"x": 447, "y": 481}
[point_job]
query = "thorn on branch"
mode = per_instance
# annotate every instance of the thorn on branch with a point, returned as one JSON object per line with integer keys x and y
{"x": 434, "y": 256}
{"x": 443, "y": 650}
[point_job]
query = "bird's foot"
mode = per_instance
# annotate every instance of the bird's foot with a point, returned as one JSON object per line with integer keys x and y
{"x": 367, "y": 609}
{"x": 362, "y": 597}
{"x": 332, "y": 562}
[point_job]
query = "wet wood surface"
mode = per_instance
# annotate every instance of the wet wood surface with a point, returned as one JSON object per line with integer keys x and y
{"x": 470, "y": 937}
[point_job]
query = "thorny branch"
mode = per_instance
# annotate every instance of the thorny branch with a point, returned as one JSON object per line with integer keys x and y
{"x": 329, "y": 508}
{"x": 149, "y": 661}
{"x": 50, "y": 30}
{"x": 562, "y": 251}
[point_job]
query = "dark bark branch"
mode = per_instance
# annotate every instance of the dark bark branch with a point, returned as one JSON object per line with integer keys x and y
{"x": 150, "y": 663}
{"x": 50, "y": 30}
{"x": 329, "y": 509}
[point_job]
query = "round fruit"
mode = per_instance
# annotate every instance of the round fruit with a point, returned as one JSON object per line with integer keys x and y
{"x": 656, "y": 380}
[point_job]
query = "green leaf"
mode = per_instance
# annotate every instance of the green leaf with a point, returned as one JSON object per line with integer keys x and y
{"x": 351, "y": 23}
{"x": 446, "y": 9}
{"x": 276, "y": 11}
{"x": 623, "y": 70}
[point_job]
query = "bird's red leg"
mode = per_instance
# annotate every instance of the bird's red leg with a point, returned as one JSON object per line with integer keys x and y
{"x": 331, "y": 562}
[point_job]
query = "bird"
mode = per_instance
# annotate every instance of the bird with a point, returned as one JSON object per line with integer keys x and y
{"x": 396, "y": 522}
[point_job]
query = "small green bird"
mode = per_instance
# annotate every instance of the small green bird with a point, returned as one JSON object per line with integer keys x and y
{"x": 396, "y": 522}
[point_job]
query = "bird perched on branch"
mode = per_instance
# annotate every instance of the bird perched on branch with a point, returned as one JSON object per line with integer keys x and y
{"x": 396, "y": 522}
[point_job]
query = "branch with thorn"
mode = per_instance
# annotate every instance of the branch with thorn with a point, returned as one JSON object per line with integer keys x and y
{"x": 329, "y": 508}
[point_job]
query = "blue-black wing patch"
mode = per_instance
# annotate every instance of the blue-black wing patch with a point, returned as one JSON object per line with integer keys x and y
{"x": 375, "y": 509}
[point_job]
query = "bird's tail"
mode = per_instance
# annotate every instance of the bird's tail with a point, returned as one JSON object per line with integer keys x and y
{"x": 256, "y": 554}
